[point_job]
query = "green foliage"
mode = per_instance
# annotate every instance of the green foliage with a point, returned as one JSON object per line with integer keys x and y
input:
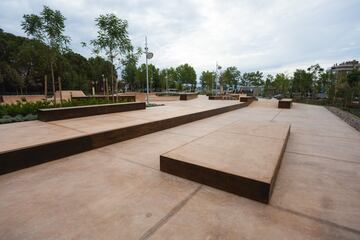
{"x": 23, "y": 108}
{"x": 353, "y": 78}
{"x": 252, "y": 79}
{"x": 302, "y": 82}
{"x": 24, "y": 63}
{"x": 281, "y": 83}
{"x": 25, "y": 111}
{"x": 268, "y": 86}
{"x": 186, "y": 75}
{"x": 231, "y": 76}
{"x": 130, "y": 67}
{"x": 154, "y": 77}
{"x": 169, "y": 76}
{"x": 207, "y": 80}
{"x": 48, "y": 27}
{"x": 112, "y": 36}
{"x": 112, "y": 39}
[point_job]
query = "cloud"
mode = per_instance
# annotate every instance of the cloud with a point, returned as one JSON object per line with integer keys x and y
{"x": 252, "y": 34}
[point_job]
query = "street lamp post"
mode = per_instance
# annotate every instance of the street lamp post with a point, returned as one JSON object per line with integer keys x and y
{"x": 148, "y": 55}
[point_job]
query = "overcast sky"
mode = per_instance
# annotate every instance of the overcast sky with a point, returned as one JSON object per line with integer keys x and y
{"x": 265, "y": 35}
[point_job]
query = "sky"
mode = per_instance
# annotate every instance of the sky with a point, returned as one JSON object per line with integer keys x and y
{"x": 269, "y": 36}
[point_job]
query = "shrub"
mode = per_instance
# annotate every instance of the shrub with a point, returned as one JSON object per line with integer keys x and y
{"x": 26, "y": 111}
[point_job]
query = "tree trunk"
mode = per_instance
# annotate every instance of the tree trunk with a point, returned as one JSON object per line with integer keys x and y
{"x": 45, "y": 87}
{"x": 53, "y": 80}
{"x": 112, "y": 77}
{"x": 60, "y": 90}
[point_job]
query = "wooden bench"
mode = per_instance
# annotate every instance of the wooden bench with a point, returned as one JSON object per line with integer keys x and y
{"x": 285, "y": 103}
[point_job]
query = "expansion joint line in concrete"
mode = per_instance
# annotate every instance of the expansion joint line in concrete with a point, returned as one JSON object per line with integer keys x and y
{"x": 126, "y": 159}
{"x": 323, "y": 136}
{"x": 319, "y": 156}
{"x": 322, "y": 221}
{"x": 276, "y": 115}
{"x": 171, "y": 213}
{"x": 73, "y": 129}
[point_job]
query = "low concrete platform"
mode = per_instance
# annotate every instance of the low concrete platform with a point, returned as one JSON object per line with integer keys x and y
{"x": 247, "y": 98}
{"x": 54, "y": 114}
{"x": 23, "y": 157}
{"x": 188, "y": 96}
{"x": 285, "y": 103}
{"x": 241, "y": 158}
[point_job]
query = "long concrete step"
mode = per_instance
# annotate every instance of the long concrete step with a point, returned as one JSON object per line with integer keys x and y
{"x": 242, "y": 158}
{"x": 16, "y": 159}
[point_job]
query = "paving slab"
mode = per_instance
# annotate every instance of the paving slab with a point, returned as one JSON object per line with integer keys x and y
{"x": 319, "y": 188}
{"x": 214, "y": 214}
{"x": 88, "y": 196}
{"x": 242, "y": 158}
{"x": 347, "y": 149}
{"x": 146, "y": 150}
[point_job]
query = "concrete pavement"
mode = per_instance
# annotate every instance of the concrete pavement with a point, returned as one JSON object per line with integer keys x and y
{"x": 118, "y": 192}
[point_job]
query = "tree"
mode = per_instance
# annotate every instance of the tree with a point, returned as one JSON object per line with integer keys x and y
{"x": 75, "y": 69}
{"x": 281, "y": 83}
{"x": 154, "y": 78}
{"x": 315, "y": 71}
{"x": 168, "y": 78}
{"x": 49, "y": 28}
{"x": 100, "y": 69}
{"x": 353, "y": 80}
{"x": 186, "y": 75}
{"x": 268, "y": 88}
{"x": 113, "y": 39}
{"x": 207, "y": 80}
{"x": 231, "y": 76}
{"x": 302, "y": 82}
{"x": 252, "y": 79}
{"x": 129, "y": 70}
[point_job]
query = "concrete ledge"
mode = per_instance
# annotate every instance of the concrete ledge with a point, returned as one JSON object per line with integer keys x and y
{"x": 285, "y": 103}
{"x": 224, "y": 97}
{"x": 121, "y": 98}
{"x": 247, "y": 98}
{"x": 188, "y": 96}
{"x": 53, "y": 114}
{"x": 242, "y": 158}
{"x": 18, "y": 159}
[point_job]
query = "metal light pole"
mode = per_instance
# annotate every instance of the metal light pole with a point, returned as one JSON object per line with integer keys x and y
{"x": 148, "y": 55}
{"x": 147, "y": 72}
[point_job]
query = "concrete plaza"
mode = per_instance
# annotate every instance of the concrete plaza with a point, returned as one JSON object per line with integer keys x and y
{"x": 118, "y": 191}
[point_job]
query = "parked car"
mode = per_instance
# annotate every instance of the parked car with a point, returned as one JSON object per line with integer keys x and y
{"x": 278, "y": 96}
{"x": 321, "y": 96}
